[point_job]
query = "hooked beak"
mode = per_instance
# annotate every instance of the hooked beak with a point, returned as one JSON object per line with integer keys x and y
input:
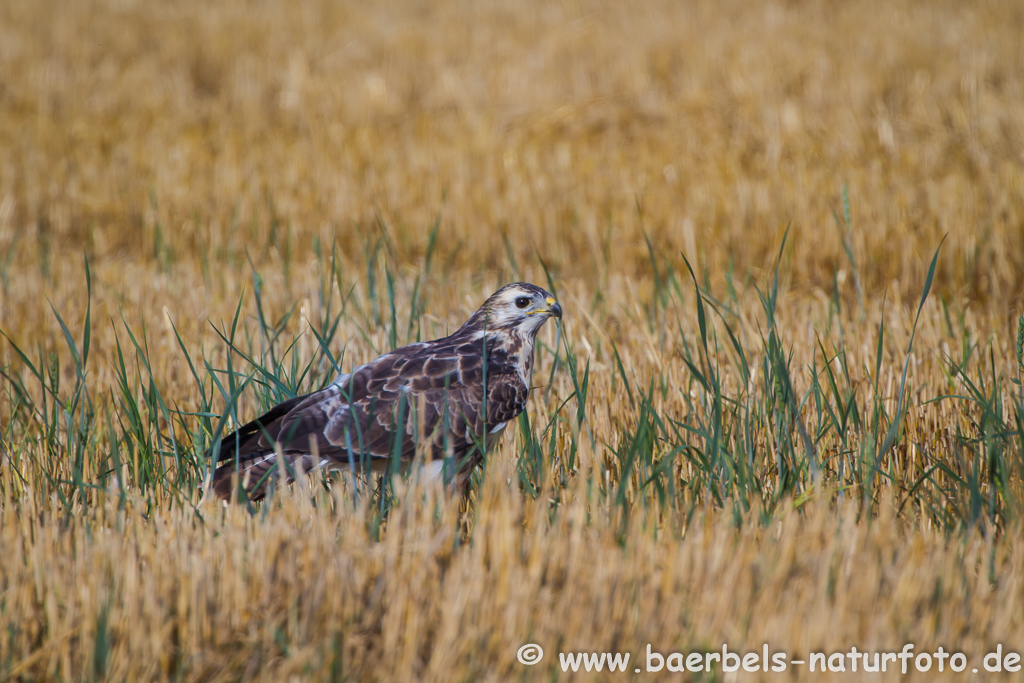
{"x": 554, "y": 310}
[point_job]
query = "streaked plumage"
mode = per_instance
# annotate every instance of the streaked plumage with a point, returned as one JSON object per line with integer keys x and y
{"x": 429, "y": 393}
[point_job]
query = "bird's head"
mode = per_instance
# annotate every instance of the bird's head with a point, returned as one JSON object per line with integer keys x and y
{"x": 519, "y": 308}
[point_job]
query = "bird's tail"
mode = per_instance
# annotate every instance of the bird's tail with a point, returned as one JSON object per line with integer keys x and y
{"x": 258, "y": 471}
{"x": 251, "y": 453}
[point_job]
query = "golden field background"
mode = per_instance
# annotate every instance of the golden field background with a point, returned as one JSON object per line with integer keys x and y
{"x": 181, "y": 146}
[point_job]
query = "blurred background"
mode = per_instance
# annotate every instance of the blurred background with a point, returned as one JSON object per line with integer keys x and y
{"x": 172, "y": 139}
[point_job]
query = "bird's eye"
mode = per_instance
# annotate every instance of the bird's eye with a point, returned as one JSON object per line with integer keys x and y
{"x": 523, "y": 302}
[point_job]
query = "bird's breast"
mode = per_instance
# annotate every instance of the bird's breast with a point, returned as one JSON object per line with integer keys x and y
{"x": 511, "y": 356}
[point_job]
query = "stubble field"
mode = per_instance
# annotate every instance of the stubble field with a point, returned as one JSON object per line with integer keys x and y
{"x": 205, "y": 209}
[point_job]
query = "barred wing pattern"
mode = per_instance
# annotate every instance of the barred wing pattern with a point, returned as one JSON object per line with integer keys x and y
{"x": 427, "y": 390}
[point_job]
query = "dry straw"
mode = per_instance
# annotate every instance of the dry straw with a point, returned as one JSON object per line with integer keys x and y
{"x": 807, "y": 432}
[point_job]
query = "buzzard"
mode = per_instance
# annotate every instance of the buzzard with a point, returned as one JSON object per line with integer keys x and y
{"x": 448, "y": 399}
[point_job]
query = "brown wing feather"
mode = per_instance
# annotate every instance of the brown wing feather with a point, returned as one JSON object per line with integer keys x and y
{"x": 438, "y": 386}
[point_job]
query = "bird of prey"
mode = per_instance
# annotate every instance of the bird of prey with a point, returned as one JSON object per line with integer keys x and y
{"x": 447, "y": 399}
